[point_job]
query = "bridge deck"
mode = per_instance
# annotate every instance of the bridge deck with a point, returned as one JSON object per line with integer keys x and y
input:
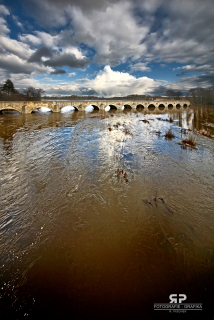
{"x": 80, "y": 105}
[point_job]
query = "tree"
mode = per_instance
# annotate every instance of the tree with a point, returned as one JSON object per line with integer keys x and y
{"x": 178, "y": 94}
{"x": 173, "y": 94}
{"x": 33, "y": 93}
{"x": 170, "y": 93}
{"x": 8, "y": 87}
{"x": 202, "y": 96}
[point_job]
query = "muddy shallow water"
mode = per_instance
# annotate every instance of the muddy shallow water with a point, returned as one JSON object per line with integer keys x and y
{"x": 101, "y": 216}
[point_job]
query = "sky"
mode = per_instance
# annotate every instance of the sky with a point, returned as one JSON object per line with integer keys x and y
{"x": 107, "y": 48}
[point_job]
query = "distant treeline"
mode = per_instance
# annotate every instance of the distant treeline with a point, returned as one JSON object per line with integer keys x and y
{"x": 128, "y": 97}
{"x": 202, "y": 96}
{"x": 75, "y": 97}
{"x": 197, "y": 95}
{"x": 9, "y": 93}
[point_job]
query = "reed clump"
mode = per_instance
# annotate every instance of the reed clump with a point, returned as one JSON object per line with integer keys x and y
{"x": 190, "y": 140}
{"x": 124, "y": 175}
{"x": 169, "y": 134}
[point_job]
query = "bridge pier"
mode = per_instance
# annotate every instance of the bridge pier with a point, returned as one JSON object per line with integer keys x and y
{"x": 81, "y": 107}
{"x": 26, "y": 109}
{"x": 55, "y": 108}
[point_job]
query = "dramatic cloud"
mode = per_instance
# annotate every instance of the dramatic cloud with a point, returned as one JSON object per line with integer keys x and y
{"x": 57, "y": 72}
{"x": 39, "y": 54}
{"x": 59, "y": 59}
{"x": 182, "y": 34}
{"x": 70, "y": 60}
{"x": 43, "y": 38}
{"x": 192, "y": 68}
{"x": 185, "y": 84}
{"x": 30, "y": 39}
{"x": 204, "y": 81}
{"x": 15, "y": 47}
{"x": 54, "y": 13}
{"x": 117, "y": 32}
{"x": 46, "y": 39}
{"x": 111, "y": 83}
{"x": 14, "y": 64}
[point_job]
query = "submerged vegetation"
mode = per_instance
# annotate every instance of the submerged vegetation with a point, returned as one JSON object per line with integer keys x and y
{"x": 123, "y": 174}
{"x": 169, "y": 134}
{"x": 158, "y": 200}
{"x": 190, "y": 140}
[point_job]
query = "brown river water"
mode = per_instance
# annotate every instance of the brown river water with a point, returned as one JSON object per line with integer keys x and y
{"x": 80, "y": 239}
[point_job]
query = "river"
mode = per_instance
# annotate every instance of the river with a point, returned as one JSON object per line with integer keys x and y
{"x": 101, "y": 216}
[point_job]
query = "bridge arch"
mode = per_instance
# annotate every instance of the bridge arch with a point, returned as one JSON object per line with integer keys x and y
{"x": 140, "y": 106}
{"x": 68, "y": 108}
{"x": 151, "y": 107}
{"x": 185, "y": 105}
{"x": 127, "y": 106}
{"x": 112, "y": 107}
{"x": 79, "y": 106}
{"x": 161, "y": 106}
{"x": 170, "y": 106}
{"x": 40, "y": 109}
{"x": 89, "y": 108}
{"x": 95, "y": 107}
{"x": 10, "y": 106}
{"x": 178, "y": 106}
{"x": 9, "y": 111}
{"x": 75, "y": 108}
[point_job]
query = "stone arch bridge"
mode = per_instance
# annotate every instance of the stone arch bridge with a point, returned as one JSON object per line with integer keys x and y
{"x": 80, "y": 105}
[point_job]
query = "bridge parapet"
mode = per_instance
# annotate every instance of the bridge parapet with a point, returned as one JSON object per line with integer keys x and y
{"x": 80, "y": 105}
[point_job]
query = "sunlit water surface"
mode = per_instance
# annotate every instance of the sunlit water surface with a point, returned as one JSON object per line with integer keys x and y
{"x": 79, "y": 240}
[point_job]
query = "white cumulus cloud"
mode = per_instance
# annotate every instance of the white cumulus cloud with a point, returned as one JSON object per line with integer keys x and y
{"x": 110, "y": 83}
